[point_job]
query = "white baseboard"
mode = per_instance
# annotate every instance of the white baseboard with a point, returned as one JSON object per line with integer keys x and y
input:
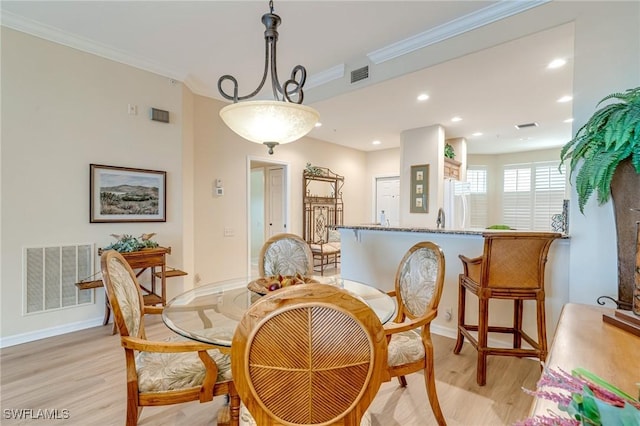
{"x": 451, "y": 332}
{"x": 48, "y": 332}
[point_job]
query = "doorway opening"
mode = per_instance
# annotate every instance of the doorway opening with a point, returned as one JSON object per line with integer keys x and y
{"x": 387, "y": 196}
{"x": 268, "y": 200}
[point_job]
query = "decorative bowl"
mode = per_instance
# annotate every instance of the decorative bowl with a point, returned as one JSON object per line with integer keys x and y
{"x": 264, "y": 285}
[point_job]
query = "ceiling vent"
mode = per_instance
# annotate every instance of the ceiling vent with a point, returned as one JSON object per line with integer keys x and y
{"x": 526, "y": 125}
{"x": 360, "y": 74}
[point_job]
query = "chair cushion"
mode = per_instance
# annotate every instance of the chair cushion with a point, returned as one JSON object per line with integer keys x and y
{"x": 405, "y": 347}
{"x": 326, "y": 248}
{"x": 247, "y": 420}
{"x": 159, "y": 371}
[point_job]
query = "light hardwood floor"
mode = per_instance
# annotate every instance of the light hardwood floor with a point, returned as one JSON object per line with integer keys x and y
{"x": 83, "y": 372}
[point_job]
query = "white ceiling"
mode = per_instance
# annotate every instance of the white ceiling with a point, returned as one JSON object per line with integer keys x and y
{"x": 198, "y": 41}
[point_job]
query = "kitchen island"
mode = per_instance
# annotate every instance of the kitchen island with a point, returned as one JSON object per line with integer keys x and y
{"x": 372, "y": 253}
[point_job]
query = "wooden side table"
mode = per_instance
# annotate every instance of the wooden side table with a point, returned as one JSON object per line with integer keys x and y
{"x": 584, "y": 340}
{"x": 153, "y": 259}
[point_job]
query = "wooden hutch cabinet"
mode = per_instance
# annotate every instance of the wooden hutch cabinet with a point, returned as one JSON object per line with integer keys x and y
{"x": 452, "y": 168}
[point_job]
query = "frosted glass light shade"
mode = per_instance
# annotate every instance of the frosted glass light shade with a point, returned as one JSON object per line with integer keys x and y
{"x": 269, "y": 121}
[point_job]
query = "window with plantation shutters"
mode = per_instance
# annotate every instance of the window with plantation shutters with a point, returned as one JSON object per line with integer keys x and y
{"x": 549, "y": 194}
{"x": 478, "y": 200}
{"x": 532, "y": 193}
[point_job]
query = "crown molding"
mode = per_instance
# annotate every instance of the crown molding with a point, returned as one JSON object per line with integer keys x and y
{"x": 47, "y": 32}
{"x": 323, "y": 77}
{"x": 471, "y": 21}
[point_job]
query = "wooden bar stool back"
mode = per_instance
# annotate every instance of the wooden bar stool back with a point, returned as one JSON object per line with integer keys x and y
{"x": 512, "y": 267}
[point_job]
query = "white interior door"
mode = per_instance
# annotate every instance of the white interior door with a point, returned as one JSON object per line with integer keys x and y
{"x": 275, "y": 220}
{"x": 388, "y": 199}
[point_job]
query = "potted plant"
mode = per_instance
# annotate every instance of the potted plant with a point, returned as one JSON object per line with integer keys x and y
{"x": 449, "y": 152}
{"x": 605, "y": 152}
{"x": 611, "y": 135}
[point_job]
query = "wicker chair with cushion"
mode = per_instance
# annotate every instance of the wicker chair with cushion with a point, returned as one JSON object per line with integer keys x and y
{"x": 285, "y": 254}
{"x": 418, "y": 288}
{"x": 511, "y": 267}
{"x": 309, "y": 354}
{"x": 165, "y": 372}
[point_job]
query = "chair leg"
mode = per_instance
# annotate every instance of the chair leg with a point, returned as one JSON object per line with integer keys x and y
{"x": 517, "y": 324}
{"x": 430, "y": 383}
{"x": 403, "y": 381}
{"x": 461, "y": 306}
{"x": 133, "y": 412}
{"x": 542, "y": 329}
{"x": 234, "y": 406}
{"x": 483, "y": 331}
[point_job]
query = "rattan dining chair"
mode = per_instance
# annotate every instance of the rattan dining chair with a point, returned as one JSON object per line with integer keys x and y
{"x": 161, "y": 372}
{"x": 285, "y": 254}
{"x": 418, "y": 287}
{"x": 511, "y": 267}
{"x": 308, "y": 354}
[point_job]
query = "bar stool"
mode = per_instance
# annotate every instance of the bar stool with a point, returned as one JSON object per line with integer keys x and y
{"x": 511, "y": 267}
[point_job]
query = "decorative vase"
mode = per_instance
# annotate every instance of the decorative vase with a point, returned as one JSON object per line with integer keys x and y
{"x": 625, "y": 194}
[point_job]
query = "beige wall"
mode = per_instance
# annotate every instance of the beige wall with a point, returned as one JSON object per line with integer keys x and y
{"x": 220, "y": 153}
{"x": 68, "y": 109}
{"x": 62, "y": 110}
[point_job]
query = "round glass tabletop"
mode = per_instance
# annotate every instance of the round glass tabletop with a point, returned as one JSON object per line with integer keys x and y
{"x": 210, "y": 313}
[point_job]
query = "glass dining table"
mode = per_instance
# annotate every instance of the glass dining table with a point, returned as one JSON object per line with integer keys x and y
{"x": 210, "y": 313}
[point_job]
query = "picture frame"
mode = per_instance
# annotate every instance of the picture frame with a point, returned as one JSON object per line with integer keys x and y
{"x": 124, "y": 194}
{"x": 419, "y": 197}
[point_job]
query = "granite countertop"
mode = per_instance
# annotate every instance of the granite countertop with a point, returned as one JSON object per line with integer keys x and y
{"x": 376, "y": 227}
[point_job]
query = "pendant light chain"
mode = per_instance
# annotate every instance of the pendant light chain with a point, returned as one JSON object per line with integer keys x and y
{"x": 291, "y": 90}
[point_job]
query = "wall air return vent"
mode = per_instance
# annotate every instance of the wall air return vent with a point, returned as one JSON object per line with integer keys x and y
{"x": 526, "y": 125}
{"x": 359, "y": 74}
{"x": 51, "y": 274}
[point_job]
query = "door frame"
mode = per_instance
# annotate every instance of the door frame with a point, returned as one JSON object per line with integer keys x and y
{"x": 287, "y": 196}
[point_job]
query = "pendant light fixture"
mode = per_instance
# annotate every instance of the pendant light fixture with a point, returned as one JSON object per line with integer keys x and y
{"x": 274, "y": 122}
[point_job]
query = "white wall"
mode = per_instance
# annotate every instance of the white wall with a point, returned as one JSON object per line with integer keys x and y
{"x": 62, "y": 110}
{"x": 606, "y": 60}
{"x": 420, "y": 146}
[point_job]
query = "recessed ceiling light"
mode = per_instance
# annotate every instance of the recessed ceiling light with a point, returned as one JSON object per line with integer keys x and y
{"x": 476, "y": 134}
{"x": 454, "y": 119}
{"x": 318, "y": 124}
{"x": 557, "y": 63}
{"x": 376, "y": 143}
{"x": 565, "y": 98}
{"x": 423, "y": 97}
{"x": 568, "y": 120}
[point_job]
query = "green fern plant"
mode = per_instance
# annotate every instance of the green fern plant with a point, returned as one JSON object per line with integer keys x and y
{"x": 611, "y": 135}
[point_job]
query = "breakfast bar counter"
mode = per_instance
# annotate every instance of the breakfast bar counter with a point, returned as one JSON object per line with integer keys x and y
{"x": 372, "y": 253}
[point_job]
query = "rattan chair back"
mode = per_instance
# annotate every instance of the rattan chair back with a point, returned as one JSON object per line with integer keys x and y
{"x": 285, "y": 254}
{"x": 308, "y": 354}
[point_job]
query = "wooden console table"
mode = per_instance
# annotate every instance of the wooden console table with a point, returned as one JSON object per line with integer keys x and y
{"x": 583, "y": 339}
{"x": 141, "y": 261}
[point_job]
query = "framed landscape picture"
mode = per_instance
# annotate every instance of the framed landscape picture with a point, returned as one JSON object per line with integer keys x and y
{"x": 419, "y": 197}
{"x": 122, "y": 194}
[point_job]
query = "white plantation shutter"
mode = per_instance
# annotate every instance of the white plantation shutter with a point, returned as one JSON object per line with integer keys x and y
{"x": 478, "y": 200}
{"x": 517, "y": 197}
{"x": 532, "y": 194}
{"x": 549, "y": 193}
